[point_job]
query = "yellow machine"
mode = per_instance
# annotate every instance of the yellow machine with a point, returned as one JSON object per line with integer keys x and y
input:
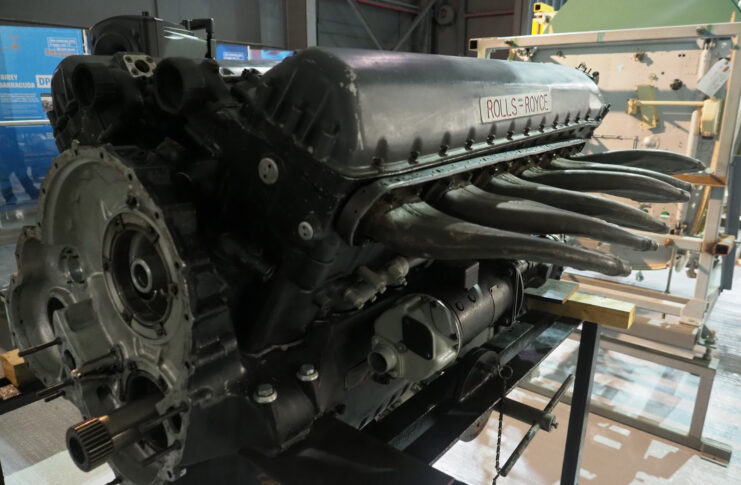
{"x": 542, "y": 15}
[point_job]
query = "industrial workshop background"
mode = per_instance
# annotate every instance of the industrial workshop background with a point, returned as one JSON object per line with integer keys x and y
{"x": 285, "y": 23}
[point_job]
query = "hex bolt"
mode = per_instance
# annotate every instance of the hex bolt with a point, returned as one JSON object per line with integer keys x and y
{"x": 305, "y": 231}
{"x": 307, "y": 373}
{"x": 265, "y": 394}
{"x": 268, "y": 171}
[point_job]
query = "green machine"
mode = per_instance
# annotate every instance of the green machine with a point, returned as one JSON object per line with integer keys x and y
{"x": 590, "y": 15}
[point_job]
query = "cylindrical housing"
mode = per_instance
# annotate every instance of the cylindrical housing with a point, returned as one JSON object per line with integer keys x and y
{"x": 480, "y": 306}
{"x": 425, "y": 332}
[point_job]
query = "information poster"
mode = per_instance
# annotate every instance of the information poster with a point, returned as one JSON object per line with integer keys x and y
{"x": 245, "y": 52}
{"x": 272, "y": 54}
{"x": 28, "y": 57}
{"x": 232, "y": 52}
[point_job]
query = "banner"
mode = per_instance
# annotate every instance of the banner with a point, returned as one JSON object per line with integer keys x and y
{"x": 245, "y": 52}
{"x": 28, "y": 57}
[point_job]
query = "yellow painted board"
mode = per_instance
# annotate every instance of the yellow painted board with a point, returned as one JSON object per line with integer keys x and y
{"x": 16, "y": 369}
{"x": 590, "y": 308}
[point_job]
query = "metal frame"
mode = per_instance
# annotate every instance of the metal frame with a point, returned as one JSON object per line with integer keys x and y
{"x": 660, "y": 304}
{"x": 672, "y": 344}
{"x": 364, "y": 23}
{"x": 703, "y": 368}
{"x": 28, "y": 395}
{"x": 733, "y": 213}
{"x": 421, "y": 13}
{"x": 694, "y": 310}
{"x": 484, "y": 44}
{"x": 580, "y": 403}
{"x": 24, "y": 123}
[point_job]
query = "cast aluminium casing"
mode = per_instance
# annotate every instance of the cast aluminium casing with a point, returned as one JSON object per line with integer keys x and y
{"x": 405, "y": 119}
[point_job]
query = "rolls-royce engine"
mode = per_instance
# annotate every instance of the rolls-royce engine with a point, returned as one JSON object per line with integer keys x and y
{"x": 223, "y": 259}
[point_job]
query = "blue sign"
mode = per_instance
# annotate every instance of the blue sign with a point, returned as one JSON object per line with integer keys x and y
{"x": 28, "y": 58}
{"x": 271, "y": 54}
{"x": 233, "y": 52}
{"x": 245, "y": 52}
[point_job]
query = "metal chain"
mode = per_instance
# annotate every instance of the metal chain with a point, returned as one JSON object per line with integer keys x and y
{"x": 504, "y": 374}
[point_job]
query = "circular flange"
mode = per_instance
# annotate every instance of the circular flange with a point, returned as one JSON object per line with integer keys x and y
{"x": 141, "y": 274}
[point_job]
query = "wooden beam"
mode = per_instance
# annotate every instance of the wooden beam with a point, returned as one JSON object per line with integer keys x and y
{"x": 590, "y": 308}
{"x": 16, "y": 369}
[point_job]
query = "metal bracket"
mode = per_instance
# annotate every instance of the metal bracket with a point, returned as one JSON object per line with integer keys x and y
{"x": 545, "y": 420}
{"x": 646, "y": 104}
{"x": 649, "y": 114}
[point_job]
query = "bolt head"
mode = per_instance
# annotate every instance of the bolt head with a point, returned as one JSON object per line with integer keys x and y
{"x": 267, "y": 169}
{"x": 265, "y": 393}
{"x": 307, "y": 373}
{"x": 265, "y": 390}
{"x": 305, "y": 231}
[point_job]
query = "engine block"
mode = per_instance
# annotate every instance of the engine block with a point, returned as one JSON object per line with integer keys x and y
{"x": 223, "y": 256}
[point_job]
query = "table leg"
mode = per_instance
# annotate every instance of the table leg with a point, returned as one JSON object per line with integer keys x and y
{"x": 585, "y": 365}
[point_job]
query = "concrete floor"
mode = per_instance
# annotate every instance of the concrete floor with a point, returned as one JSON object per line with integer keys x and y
{"x": 33, "y": 453}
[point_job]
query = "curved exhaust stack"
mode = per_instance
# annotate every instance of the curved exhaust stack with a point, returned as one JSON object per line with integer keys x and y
{"x": 655, "y": 160}
{"x": 418, "y": 229}
{"x": 638, "y": 187}
{"x": 503, "y": 215}
{"x": 524, "y": 216}
{"x": 564, "y": 164}
{"x": 588, "y": 204}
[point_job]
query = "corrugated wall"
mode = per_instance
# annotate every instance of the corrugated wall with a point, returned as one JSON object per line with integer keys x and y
{"x": 477, "y": 18}
{"x": 235, "y": 19}
{"x": 338, "y": 26}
